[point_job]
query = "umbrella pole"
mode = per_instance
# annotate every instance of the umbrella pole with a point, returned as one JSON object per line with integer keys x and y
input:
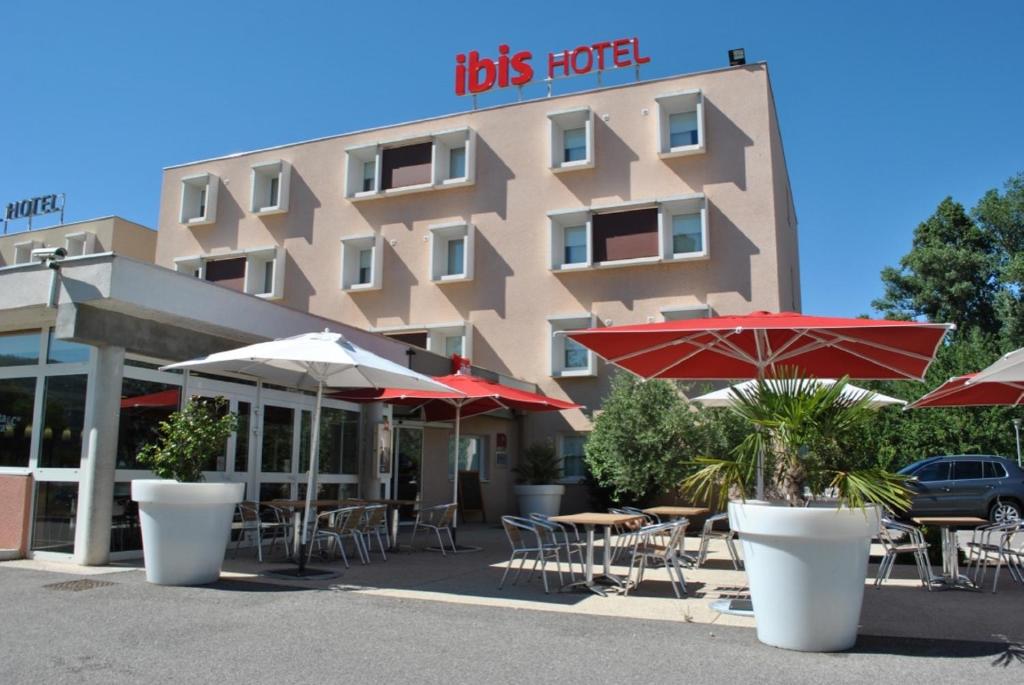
{"x": 760, "y": 449}
{"x": 455, "y": 479}
{"x": 314, "y": 467}
{"x": 1016, "y": 430}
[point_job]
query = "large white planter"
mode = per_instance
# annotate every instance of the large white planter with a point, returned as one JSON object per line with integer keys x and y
{"x": 806, "y": 568}
{"x": 539, "y": 499}
{"x": 185, "y": 528}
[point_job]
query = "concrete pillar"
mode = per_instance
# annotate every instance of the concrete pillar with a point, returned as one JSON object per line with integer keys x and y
{"x": 370, "y": 477}
{"x": 96, "y": 476}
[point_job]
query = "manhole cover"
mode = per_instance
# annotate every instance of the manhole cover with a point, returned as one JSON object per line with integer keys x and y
{"x": 78, "y": 585}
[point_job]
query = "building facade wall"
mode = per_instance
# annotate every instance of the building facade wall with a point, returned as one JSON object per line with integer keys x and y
{"x": 15, "y": 509}
{"x": 111, "y": 234}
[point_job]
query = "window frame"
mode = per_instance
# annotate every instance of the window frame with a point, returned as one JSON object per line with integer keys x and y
{"x": 561, "y": 453}
{"x": 679, "y": 102}
{"x": 440, "y": 235}
{"x": 80, "y": 244}
{"x": 485, "y": 459}
{"x": 557, "y": 325}
{"x": 195, "y": 266}
{"x": 190, "y": 186}
{"x": 351, "y": 247}
{"x": 568, "y": 120}
{"x": 441, "y": 143}
{"x": 261, "y": 176}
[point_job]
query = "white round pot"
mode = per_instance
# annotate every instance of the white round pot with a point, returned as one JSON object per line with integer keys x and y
{"x": 185, "y": 528}
{"x": 806, "y": 568}
{"x": 539, "y": 499}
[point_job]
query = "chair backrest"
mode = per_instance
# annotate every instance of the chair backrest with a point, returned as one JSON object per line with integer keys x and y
{"x": 635, "y": 524}
{"x": 374, "y": 517}
{"x": 648, "y": 518}
{"x": 249, "y": 511}
{"x": 343, "y": 520}
{"x": 445, "y": 514}
{"x": 516, "y": 529}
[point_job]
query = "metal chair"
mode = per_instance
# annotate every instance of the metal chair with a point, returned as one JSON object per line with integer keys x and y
{"x": 436, "y": 518}
{"x": 251, "y": 525}
{"x": 531, "y": 538}
{"x": 570, "y": 539}
{"x": 900, "y": 538}
{"x": 334, "y": 527}
{"x": 375, "y": 522}
{"x": 709, "y": 533}
{"x": 625, "y": 534}
{"x": 661, "y": 543}
{"x": 983, "y": 550}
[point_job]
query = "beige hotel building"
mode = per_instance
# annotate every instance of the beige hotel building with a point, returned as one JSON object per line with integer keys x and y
{"x": 481, "y": 234}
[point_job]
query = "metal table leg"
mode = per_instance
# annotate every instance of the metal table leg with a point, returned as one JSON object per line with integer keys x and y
{"x": 952, "y": 579}
{"x": 588, "y": 582}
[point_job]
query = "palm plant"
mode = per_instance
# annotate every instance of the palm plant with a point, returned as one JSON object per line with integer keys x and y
{"x": 800, "y": 428}
{"x": 539, "y": 465}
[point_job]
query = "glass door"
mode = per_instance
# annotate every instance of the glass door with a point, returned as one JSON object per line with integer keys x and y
{"x": 408, "y": 463}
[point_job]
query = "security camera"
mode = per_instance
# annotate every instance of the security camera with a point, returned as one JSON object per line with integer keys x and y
{"x": 46, "y": 254}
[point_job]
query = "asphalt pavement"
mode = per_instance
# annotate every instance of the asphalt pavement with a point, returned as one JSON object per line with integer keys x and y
{"x": 128, "y": 631}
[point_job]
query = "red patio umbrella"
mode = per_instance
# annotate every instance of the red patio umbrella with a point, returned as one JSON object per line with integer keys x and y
{"x": 471, "y": 395}
{"x": 164, "y": 398}
{"x": 960, "y": 391}
{"x": 760, "y": 343}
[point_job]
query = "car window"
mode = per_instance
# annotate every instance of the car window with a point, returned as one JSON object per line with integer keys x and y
{"x": 994, "y": 470}
{"x": 966, "y": 470}
{"x": 936, "y": 471}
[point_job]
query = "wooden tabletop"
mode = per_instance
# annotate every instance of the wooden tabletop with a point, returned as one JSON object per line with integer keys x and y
{"x": 297, "y": 503}
{"x": 390, "y": 502}
{"x": 596, "y": 519}
{"x": 678, "y": 511}
{"x": 950, "y": 521}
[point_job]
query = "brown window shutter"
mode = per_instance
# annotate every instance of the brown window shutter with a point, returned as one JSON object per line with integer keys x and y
{"x": 406, "y": 166}
{"x": 227, "y": 272}
{"x": 626, "y": 235}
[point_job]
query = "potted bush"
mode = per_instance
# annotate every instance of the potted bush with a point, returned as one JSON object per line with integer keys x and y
{"x": 806, "y": 560}
{"x": 186, "y": 524}
{"x": 537, "y": 475}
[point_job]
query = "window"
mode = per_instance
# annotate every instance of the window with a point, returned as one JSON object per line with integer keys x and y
{"x": 451, "y": 252}
{"x": 53, "y": 526}
{"x": 258, "y": 271}
{"x": 229, "y": 273}
{"x": 144, "y": 404}
{"x": 933, "y": 472}
{"x": 994, "y": 470}
{"x": 361, "y": 262}
{"x": 450, "y": 338}
{"x": 199, "y": 199}
{"x": 270, "y": 187}
{"x": 339, "y": 441}
{"x": 242, "y": 438}
{"x": 967, "y": 470}
{"x": 23, "y": 251}
{"x": 687, "y": 234}
{"x": 65, "y": 352}
{"x": 432, "y": 160}
{"x": 625, "y": 235}
{"x": 17, "y": 399}
{"x": 570, "y": 450}
{"x": 278, "y": 429}
{"x": 572, "y": 139}
{"x": 680, "y": 123}
{"x": 472, "y": 455}
{"x": 264, "y": 273}
{"x": 19, "y": 349}
{"x": 457, "y": 163}
{"x": 575, "y": 245}
{"x": 456, "y": 265}
{"x": 568, "y": 357}
{"x": 453, "y": 345}
{"x": 682, "y": 129}
{"x": 78, "y": 244}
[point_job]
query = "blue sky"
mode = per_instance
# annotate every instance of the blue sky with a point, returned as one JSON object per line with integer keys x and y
{"x": 886, "y": 107}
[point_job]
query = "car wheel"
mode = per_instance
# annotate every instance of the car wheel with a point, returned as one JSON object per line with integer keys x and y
{"x": 1004, "y": 512}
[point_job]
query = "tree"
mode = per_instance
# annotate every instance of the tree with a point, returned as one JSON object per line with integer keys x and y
{"x": 647, "y": 435}
{"x": 1002, "y": 217}
{"x": 950, "y": 273}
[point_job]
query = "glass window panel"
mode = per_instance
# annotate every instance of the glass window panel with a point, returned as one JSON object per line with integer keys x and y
{"x": 332, "y": 424}
{"x": 242, "y": 438}
{"x": 271, "y": 491}
{"x": 144, "y": 404}
{"x": 273, "y": 191}
{"x": 17, "y": 349}
{"x": 933, "y": 472}
{"x": 268, "y": 277}
{"x": 218, "y": 462}
{"x": 686, "y": 234}
{"x": 350, "y": 444}
{"x": 53, "y": 528}
{"x": 967, "y": 470}
{"x": 369, "y": 175}
{"x": 457, "y": 162}
{"x": 575, "y": 142}
{"x": 453, "y": 345}
{"x": 366, "y": 265}
{"x": 65, "y": 352}
{"x": 575, "y": 244}
{"x": 994, "y": 470}
{"x": 323, "y": 491}
{"x": 125, "y": 534}
{"x": 64, "y": 419}
{"x": 278, "y": 430}
{"x": 682, "y": 129}
{"x": 456, "y": 255}
{"x": 472, "y": 455}
{"x": 17, "y": 399}
{"x": 573, "y": 465}
{"x": 576, "y": 355}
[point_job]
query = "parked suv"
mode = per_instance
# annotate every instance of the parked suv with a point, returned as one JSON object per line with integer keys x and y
{"x": 967, "y": 485}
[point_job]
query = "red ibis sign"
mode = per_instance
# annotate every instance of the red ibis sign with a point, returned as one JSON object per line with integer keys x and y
{"x": 475, "y": 74}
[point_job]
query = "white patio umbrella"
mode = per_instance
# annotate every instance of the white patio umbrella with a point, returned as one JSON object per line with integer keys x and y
{"x": 1007, "y": 369}
{"x": 313, "y": 361}
{"x": 726, "y": 397}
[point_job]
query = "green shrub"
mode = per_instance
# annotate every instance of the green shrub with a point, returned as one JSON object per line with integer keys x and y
{"x": 538, "y": 465}
{"x": 188, "y": 439}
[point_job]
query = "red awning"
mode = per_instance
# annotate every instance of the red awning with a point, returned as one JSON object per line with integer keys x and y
{"x": 164, "y": 398}
{"x": 761, "y": 343}
{"x": 473, "y": 394}
{"x": 961, "y": 392}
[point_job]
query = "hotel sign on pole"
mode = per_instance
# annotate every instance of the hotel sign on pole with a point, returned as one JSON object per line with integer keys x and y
{"x": 36, "y": 206}
{"x": 475, "y": 74}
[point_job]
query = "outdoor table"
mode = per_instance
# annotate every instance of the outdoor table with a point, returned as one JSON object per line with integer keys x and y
{"x": 677, "y": 513}
{"x": 392, "y": 505}
{"x": 590, "y": 521}
{"x": 951, "y": 578}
